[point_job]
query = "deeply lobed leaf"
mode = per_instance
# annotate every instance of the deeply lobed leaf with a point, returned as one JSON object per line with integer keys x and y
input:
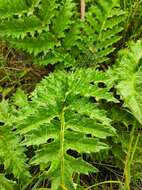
{"x": 63, "y": 121}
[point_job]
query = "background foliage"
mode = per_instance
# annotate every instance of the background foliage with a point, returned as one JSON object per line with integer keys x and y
{"x": 70, "y": 90}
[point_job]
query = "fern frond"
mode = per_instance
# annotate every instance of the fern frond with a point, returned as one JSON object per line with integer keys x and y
{"x": 35, "y": 45}
{"x": 5, "y": 112}
{"x": 129, "y": 72}
{"x": 17, "y": 28}
{"x": 48, "y": 10}
{"x": 12, "y": 154}
{"x": 52, "y": 32}
{"x": 73, "y": 35}
{"x": 40, "y": 28}
{"x": 63, "y": 58}
{"x": 133, "y": 19}
{"x": 63, "y": 18}
{"x": 17, "y": 8}
{"x": 7, "y": 8}
{"x": 104, "y": 23}
{"x": 60, "y": 123}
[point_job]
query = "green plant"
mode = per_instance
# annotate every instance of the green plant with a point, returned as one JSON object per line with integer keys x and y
{"x": 64, "y": 118}
{"x": 12, "y": 153}
{"x": 127, "y": 154}
{"x": 128, "y": 75}
{"x": 102, "y": 29}
{"x": 52, "y": 32}
{"x": 6, "y": 184}
{"x": 125, "y": 164}
{"x": 132, "y": 29}
{"x": 81, "y": 127}
{"x": 128, "y": 69}
{"x": 60, "y": 123}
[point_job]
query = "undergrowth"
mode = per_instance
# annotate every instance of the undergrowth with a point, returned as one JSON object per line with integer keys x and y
{"x": 70, "y": 92}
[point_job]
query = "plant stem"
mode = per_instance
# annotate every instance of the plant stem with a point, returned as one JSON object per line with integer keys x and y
{"x": 82, "y": 9}
{"x": 62, "y": 119}
{"x": 104, "y": 182}
{"x": 129, "y": 158}
{"x": 127, "y": 161}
